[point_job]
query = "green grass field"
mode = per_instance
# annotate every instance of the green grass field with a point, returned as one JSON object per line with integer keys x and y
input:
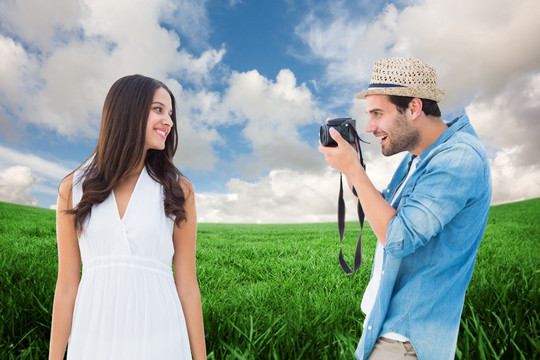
{"x": 277, "y": 292}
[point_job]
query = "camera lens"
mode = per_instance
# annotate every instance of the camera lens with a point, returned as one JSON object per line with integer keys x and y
{"x": 324, "y": 135}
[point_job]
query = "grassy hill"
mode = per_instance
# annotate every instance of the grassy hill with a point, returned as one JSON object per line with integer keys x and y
{"x": 276, "y": 291}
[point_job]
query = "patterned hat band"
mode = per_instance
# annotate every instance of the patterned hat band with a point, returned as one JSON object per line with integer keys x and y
{"x": 403, "y": 77}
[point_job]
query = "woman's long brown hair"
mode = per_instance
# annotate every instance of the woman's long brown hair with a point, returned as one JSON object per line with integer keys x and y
{"x": 121, "y": 146}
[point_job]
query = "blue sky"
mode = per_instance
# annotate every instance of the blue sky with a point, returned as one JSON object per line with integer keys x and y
{"x": 253, "y": 81}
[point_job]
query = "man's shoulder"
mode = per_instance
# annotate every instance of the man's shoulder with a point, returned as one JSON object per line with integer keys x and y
{"x": 461, "y": 138}
{"x": 463, "y": 141}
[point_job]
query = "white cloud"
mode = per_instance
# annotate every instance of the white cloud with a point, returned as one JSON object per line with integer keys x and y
{"x": 510, "y": 118}
{"x": 233, "y": 3}
{"x": 273, "y": 111}
{"x": 288, "y": 196}
{"x": 45, "y": 168}
{"x": 462, "y": 39}
{"x": 195, "y": 150}
{"x": 17, "y": 69}
{"x": 511, "y": 182}
{"x": 471, "y": 56}
{"x": 198, "y": 113}
{"x": 40, "y": 22}
{"x": 284, "y": 196}
{"x": 15, "y": 185}
{"x": 508, "y": 124}
{"x": 348, "y": 46}
{"x": 58, "y": 77}
{"x": 33, "y": 175}
{"x": 61, "y": 83}
{"x": 190, "y": 18}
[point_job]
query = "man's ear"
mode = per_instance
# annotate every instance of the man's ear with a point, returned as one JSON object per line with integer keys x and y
{"x": 415, "y": 108}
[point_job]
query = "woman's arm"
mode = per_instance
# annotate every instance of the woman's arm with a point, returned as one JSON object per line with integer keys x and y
{"x": 185, "y": 276}
{"x": 69, "y": 271}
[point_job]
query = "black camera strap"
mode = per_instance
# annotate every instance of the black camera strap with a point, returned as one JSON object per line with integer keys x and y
{"x": 341, "y": 221}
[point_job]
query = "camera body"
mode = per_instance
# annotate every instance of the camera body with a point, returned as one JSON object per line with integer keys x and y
{"x": 345, "y": 126}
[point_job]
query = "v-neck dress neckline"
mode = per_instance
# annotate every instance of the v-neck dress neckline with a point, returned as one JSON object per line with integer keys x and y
{"x": 133, "y": 193}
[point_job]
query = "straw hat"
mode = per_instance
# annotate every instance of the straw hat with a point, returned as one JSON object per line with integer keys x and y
{"x": 403, "y": 77}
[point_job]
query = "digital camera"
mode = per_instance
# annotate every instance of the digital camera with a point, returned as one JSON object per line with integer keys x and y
{"x": 345, "y": 126}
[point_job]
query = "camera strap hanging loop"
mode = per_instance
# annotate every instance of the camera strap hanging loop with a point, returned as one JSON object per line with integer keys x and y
{"x": 341, "y": 221}
{"x": 341, "y": 227}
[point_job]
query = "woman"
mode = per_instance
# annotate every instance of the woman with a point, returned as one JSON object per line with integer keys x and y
{"x": 126, "y": 214}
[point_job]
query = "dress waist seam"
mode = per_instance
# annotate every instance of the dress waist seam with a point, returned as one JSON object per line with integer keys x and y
{"x": 126, "y": 261}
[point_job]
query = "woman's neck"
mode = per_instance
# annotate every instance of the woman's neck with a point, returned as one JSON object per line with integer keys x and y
{"x": 136, "y": 170}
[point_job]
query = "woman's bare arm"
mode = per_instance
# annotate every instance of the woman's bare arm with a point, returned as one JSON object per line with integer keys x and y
{"x": 185, "y": 238}
{"x": 69, "y": 267}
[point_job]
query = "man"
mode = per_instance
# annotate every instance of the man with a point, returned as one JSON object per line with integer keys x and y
{"x": 429, "y": 221}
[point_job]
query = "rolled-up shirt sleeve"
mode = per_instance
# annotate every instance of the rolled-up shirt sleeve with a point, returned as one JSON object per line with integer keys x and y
{"x": 442, "y": 188}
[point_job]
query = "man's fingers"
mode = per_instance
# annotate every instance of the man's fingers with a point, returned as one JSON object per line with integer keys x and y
{"x": 336, "y": 136}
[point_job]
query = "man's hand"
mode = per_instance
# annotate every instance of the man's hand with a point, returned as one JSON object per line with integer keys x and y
{"x": 344, "y": 157}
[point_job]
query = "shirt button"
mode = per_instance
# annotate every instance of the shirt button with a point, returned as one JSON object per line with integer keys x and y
{"x": 382, "y": 273}
{"x": 369, "y": 327}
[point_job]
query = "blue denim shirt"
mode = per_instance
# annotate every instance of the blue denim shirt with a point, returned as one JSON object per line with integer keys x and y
{"x": 431, "y": 244}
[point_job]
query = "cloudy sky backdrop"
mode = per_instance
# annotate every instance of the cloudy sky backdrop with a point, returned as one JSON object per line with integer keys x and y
{"x": 253, "y": 81}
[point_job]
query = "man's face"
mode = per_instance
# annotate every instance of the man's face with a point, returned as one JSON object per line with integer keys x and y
{"x": 386, "y": 122}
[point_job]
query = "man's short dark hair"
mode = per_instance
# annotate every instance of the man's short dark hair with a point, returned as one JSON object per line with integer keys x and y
{"x": 429, "y": 107}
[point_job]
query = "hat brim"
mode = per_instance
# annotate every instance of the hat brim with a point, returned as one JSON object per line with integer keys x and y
{"x": 429, "y": 94}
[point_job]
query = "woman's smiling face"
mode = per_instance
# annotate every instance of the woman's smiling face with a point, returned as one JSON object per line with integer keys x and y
{"x": 159, "y": 120}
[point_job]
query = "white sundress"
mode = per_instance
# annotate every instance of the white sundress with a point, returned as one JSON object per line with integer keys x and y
{"x": 127, "y": 306}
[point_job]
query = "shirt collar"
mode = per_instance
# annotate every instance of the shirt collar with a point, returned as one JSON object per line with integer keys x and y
{"x": 453, "y": 126}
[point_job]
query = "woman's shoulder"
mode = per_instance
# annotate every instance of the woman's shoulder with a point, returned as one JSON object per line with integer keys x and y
{"x": 72, "y": 182}
{"x": 66, "y": 184}
{"x": 65, "y": 190}
{"x": 186, "y": 185}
